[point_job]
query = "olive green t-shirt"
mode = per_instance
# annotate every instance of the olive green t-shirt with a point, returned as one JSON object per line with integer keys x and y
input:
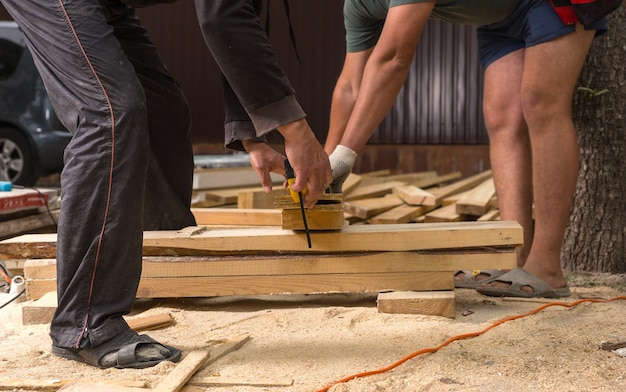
{"x": 364, "y": 19}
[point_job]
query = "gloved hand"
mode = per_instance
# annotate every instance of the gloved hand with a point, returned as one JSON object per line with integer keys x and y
{"x": 341, "y": 163}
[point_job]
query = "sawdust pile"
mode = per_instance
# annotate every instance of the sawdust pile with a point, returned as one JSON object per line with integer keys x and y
{"x": 305, "y": 343}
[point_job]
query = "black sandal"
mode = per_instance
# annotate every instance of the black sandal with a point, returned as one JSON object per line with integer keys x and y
{"x": 125, "y": 344}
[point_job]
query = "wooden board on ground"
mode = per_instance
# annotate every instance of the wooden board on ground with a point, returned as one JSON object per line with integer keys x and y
{"x": 435, "y": 303}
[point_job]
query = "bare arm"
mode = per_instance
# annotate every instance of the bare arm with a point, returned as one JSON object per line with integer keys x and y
{"x": 385, "y": 71}
{"x": 344, "y": 96}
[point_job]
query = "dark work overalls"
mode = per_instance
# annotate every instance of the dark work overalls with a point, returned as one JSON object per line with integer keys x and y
{"x": 130, "y": 152}
{"x": 257, "y": 94}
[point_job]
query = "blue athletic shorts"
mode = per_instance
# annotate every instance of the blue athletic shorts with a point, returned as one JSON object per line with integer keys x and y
{"x": 532, "y": 23}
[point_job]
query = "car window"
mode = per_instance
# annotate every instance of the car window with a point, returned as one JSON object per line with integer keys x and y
{"x": 10, "y": 54}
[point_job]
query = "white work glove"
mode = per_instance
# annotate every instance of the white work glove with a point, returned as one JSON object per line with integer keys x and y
{"x": 341, "y": 163}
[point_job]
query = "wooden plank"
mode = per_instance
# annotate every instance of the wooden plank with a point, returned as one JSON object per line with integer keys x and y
{"x": 461, "y": 186}
{"x": 372, "y": 191}
{"x": 313, "y": 264}
{"x": 414, "y": 196}
{"x": 226, "y": 347}
{"x": 353, "y": 238}
{"x": 182, "y": 287}
{"x": 201, "y": 276}
{"x": 444, "y": 214}
{"x": 42, "y": 310}
{"x": 237, "y": 216}
{"x": 220, "y": 381}
{"x": 316, "y": 219}
{"x": 229, "y": 177}
{"x": 431, "y": 181}
{"x": 479, "y": 200}
{"x": 367, "y": 208}
{"x": 28, "y": 223}
{"x": 259, "y": 198}
{"x": 490, "y": 216}
{"x": 183, "y": 371}
{"x": 433, "y": 303}
{"x": 400, "y": 214}
{"x": 326, "y": 200}
{"x": 45, "y": 385}
{"x": 351, "y": 183}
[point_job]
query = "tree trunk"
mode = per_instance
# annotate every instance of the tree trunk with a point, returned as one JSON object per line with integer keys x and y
{"x": 594, "y": 240}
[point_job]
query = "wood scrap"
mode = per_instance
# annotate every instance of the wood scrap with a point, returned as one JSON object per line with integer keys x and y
{"x": 462, "y": 185}
{"x": 367, "y": 208}
{"x": 237, "y": 216}
{"x": 219, "y": 381}
{"x": 183, "y": 371}
{"x": 259, "y": 198}
{"x": 435, "y": 303}
{"x": 371, "y": 191}
{"x": 229, "y": 177}
{"x": 414, "y": 196}
{"x": 444, "y": 214}
{"x": 54, "y": 385}
{"x": 477, "y": 201}
{"x": 176, "y": 379}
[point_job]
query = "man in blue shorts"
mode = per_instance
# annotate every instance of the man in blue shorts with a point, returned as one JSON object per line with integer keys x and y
{"x": 532, "y": 61}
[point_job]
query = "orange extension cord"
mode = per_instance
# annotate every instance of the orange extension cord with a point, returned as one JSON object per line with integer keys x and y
{"x": 465, "y": 336}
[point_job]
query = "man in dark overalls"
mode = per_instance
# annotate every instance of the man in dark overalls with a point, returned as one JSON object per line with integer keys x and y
{"x": 131, "y": 133}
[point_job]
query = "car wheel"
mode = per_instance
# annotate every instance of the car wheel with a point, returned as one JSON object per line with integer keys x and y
{"x": 16, "y": 159}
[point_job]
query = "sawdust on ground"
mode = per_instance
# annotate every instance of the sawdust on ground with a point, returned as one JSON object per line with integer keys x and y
{"x": 311, "y": 341}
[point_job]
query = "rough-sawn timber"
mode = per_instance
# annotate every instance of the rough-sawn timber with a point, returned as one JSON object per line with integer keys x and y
{"x": 198, "y": 241}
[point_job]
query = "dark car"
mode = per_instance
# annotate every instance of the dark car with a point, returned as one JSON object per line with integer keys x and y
{"x": 32, "y": 139}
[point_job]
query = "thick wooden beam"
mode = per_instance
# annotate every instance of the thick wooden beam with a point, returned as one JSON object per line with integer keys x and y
{"x": 200, "y": 241}
{"x": 252, "y": 275}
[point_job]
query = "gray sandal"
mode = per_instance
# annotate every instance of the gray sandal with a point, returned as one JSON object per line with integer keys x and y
{"x": 469, "y": 281}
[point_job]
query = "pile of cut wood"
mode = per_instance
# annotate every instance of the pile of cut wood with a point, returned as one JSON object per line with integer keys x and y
{"x": 370, "y": 198}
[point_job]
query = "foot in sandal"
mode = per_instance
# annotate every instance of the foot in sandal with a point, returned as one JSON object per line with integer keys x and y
{"x": 520, "y": 283}
{"x": 126, "y": 350}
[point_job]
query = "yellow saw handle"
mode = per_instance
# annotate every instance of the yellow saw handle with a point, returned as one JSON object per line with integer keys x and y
{"x": 291, "y": 178}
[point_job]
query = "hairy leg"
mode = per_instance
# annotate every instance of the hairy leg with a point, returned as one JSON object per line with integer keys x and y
{"x": 550, "y": 73}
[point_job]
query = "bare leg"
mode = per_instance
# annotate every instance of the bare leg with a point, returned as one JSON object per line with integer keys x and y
{"x": 549, "y": 77}
{"x": 509, "y": 149}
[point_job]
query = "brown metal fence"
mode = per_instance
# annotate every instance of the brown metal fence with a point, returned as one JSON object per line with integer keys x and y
{"x": 440, "y": 103}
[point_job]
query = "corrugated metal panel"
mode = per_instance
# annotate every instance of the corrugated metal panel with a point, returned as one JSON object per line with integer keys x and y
{"x": 440, "y": 103}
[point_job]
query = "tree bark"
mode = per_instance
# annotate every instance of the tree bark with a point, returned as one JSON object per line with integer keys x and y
{"x": 594, "y": 240}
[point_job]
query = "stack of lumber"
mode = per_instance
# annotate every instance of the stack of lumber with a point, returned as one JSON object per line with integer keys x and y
{"x": 370, "y": 198}
{"x": 420, "y": 197}
{"x": 28, "y": 210}
{"x": 226, "y": 180}
{"x": 203, "y": 262}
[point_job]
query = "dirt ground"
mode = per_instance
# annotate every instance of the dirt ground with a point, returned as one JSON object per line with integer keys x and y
{"x": 309, "y": 342}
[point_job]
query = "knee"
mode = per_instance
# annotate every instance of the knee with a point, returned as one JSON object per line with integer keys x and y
{"x": 543, "y": 109}
{"x": 501, "y": 118}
